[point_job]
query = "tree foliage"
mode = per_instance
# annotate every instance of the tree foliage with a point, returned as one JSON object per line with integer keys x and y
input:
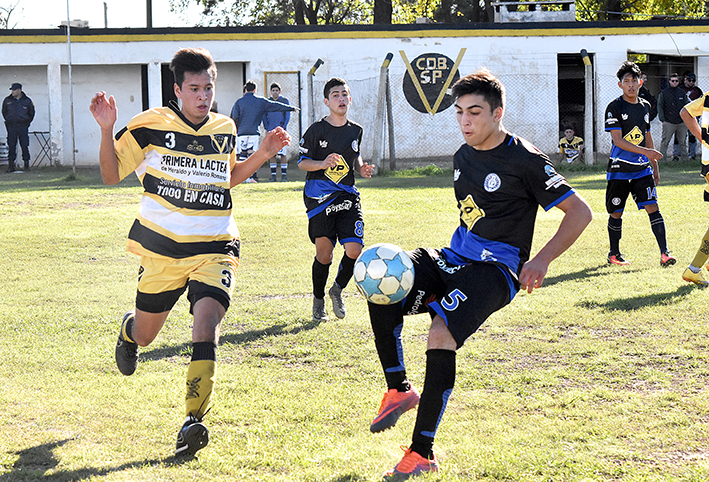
{"x": 6, "y": 15}
{"x": 319, "y": 12}
{"x": 600, "y": 10}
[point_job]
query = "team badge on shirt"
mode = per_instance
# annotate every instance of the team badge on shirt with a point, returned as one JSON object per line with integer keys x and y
{"x": 338, "y": 171}
{"x": 220, "y": 142}
{"x": 635, "y": 136}
{"x": 492, "y": 182}
{"x": 470, "y": 212}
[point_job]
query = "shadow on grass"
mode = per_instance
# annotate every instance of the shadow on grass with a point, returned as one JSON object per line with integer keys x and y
{"x": 586, "y": 273}
{"x": 34, "y": 463}
{"x": 650, "y": 299}
{"x": 231, "y": 338}
{"x": 348, "y": 478}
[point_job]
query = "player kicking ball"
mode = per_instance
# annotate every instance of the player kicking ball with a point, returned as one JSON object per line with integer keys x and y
{"x": 185, "y": 233}
{"x": 330, "y": 153}
{"x": 499, "y": 181}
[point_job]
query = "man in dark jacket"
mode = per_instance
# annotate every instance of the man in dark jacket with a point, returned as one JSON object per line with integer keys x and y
{"x": 669, "y": 104}
{"x": 247, "y": 114}
{"x": 18, "y": 112}
{"x": 693, "y": 93}
{"x": 644, "y": 93}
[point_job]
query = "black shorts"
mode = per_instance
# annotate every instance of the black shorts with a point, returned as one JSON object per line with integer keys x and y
{"x": 463, "y": 295}
{"x": 341, "y": 220}
{"x": 643, "y": 190}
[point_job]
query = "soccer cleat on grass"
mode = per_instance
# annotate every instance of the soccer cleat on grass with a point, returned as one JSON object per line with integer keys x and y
{"x": 393, "y": 406}
{"x": 411, "y": 464}
{"x": 193, "y": 436}
{"x": 695, "y": 278}
{"x": 617, "y": 259}
{"x": 284, "y": 178}
{"x": 319, "y": 313}
{"x": 338, "y": 306}
{"x": 666, "y": 259}
{"x": 126, "y": 351}
{"x": 273, "y": 178}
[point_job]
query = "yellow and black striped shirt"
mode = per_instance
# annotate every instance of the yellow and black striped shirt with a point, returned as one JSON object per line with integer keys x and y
{"x": 185, "y": 170}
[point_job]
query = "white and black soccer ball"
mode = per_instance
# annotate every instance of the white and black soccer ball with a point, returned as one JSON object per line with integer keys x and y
{"x": 384, "y": 274}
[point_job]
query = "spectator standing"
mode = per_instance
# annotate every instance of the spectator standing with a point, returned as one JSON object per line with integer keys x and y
{"x": 693, "y": 93}
{"x": 18, "y": 112}
{"x": 669, "y": 104}
{"x": 271, "y": 120}
{"x": 247, "y": 114}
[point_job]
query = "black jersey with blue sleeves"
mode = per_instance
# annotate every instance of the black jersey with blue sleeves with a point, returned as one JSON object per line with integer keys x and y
{"x": 498, "y": 193}
{"x": 633, "y": 120}
{"x": 320, "y": 140}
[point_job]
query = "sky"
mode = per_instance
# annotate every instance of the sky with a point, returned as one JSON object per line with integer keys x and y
{"x": 121, "y": 13}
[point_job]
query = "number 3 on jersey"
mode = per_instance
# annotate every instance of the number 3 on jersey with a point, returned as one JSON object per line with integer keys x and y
{"x": 453, "y": 300}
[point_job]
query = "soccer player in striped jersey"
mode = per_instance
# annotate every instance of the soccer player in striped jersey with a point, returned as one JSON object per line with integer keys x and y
{"x": 689, "y": 113}
{"x": 184, "y": 233}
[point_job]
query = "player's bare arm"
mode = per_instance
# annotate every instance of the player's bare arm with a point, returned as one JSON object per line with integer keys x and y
{"x": 691, "y": 123}
{"x": 274, "y": 141}
{"x": 105, "y": 112}
{"x": 577, "y": 215}
{"x": 308, "y": 164}
{"x": 648, "y": 152}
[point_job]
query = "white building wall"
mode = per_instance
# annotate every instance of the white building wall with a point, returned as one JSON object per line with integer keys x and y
{"x": 527, "y": 65}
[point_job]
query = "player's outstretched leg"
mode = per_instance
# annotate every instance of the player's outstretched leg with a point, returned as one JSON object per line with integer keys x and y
{"x": 693, "y": 273}
{"x": 192, "y": 437}
{"x": 394, "y": 405}
{"x": 126, "y": 348}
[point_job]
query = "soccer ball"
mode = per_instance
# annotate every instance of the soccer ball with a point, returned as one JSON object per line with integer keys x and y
{"x": 384, "y": 274}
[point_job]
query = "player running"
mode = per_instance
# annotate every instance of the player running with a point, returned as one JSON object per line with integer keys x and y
{"x": 330, "y": 153}
{"x": 689, "y": 113}
{"x": 184, "y": 233}
{"x": 499, "y": 181}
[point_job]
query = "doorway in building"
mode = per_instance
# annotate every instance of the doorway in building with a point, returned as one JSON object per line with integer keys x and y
{"x": 658, "y": 68}
{"x": 571, "y": 92}
{"x": 290, "y": 89}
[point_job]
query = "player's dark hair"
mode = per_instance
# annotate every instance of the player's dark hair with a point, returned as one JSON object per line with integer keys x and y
{"x": 276, "y": 85}
{"x": 334, "y": 82}
{"x": 195, "y": 60}
{"x": 568, "y": 126}
{"x": 628, "y": 67}
{"x": 482, "y": 83}
{"x": 249, "y": 86}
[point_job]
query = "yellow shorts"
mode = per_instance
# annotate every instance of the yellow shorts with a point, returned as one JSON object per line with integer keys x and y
{"x": 162, "y": 281}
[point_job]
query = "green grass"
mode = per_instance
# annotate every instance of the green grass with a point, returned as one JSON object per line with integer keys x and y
{"x": 601, "y": 375}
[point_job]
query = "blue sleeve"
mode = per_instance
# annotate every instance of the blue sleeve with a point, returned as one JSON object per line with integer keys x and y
{"x": 235, "y": 113}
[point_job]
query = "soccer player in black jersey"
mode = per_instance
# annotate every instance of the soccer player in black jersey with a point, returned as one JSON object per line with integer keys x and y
{"x": 632, "y": 167}
{"x": 185, "y": 234}
{"x": 330, "y": 153}
{"x": 499, "y": 181}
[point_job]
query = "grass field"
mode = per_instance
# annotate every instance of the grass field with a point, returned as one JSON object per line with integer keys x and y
{"x": 601, "y": 375}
